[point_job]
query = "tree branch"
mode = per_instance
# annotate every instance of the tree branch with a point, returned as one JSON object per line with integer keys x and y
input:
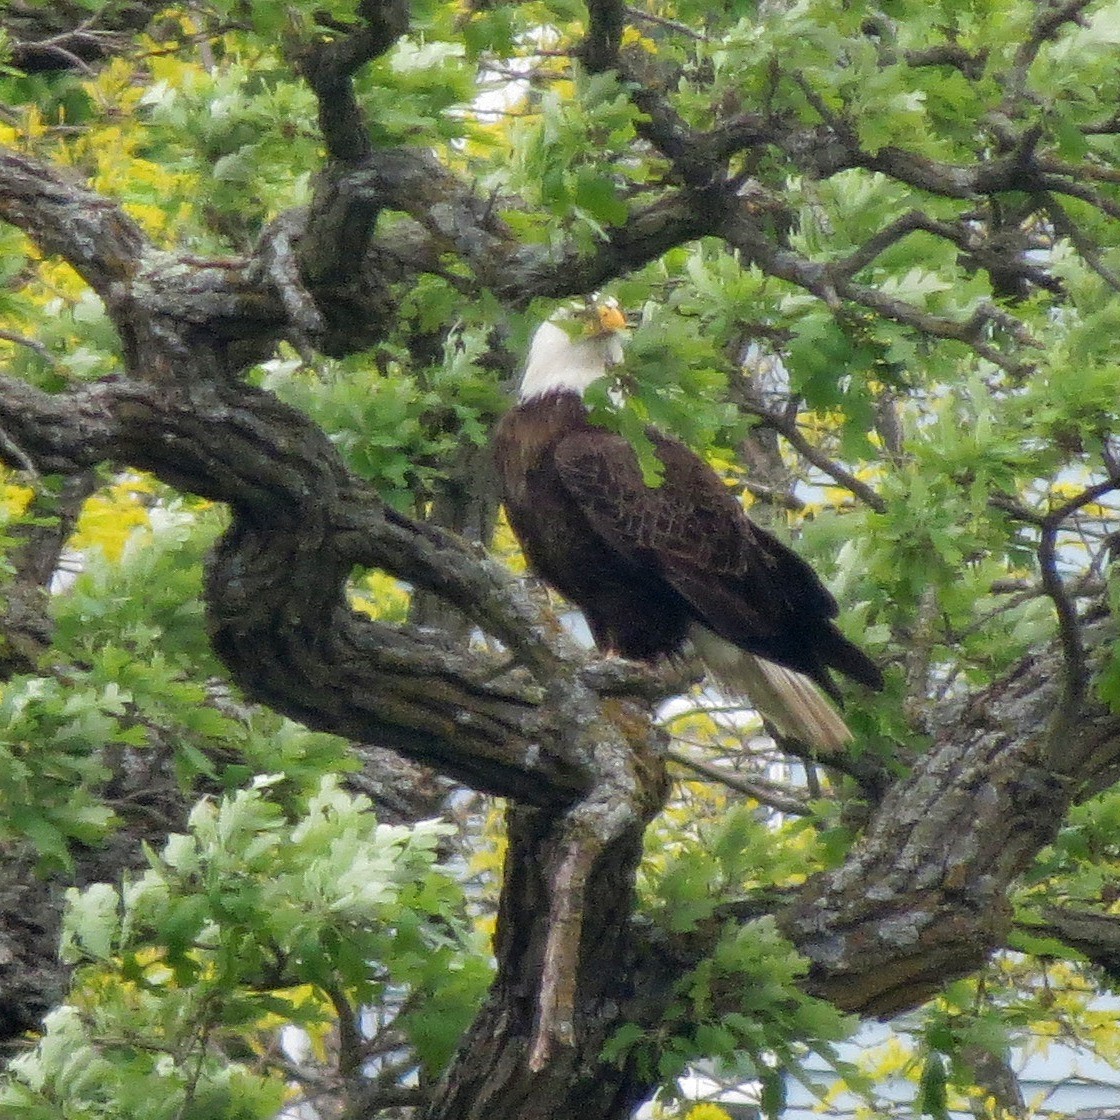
{"x": 1002, "y": 259}
{"x": 923, "y": 898}
{"x": 1091, "y": 932}
{"x": 742, "y": 232}
{"x": 793, "y": 435}
{"x": 599, "y": 49}
{"x": 1049, "y": 21}
{"x": 93, "y": 235}
{"x": 765, "y": 793}
{"x": 328, "y": 66}
{"x": 276, "y": 585}
{"x": 1075, "y": 661}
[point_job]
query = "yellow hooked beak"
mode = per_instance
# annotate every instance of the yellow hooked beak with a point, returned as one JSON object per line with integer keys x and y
{"x": 611, "y": 318}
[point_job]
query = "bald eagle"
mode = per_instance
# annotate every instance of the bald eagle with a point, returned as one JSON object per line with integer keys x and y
{"x": 655, "y": 569}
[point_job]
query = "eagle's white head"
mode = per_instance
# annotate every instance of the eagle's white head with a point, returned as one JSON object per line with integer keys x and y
{"x": 559, "y": 360}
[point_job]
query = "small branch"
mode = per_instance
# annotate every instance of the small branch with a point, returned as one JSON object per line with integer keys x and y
{"x": 1091, "y": 932}
{"x": 971, "y": 331}
{"x": 772, "y": 495}
{"x": 1087, "y": 496}
{"x": 350, "y": 1049}
{"x": 1047, "y": 24}
{"x": 328, "y": 67}
{"x": 833, "y": 288}
{"x": 1014, "y": 508}
{"x": 11, "y": 452}
{"x": 794, "y": 436}
{"x": 983, "y": 252}
{"x": 640, "y": 16}
{"x": 949, "y": 54}
{"x": 1071, "y": 181}
{"x": 837, "y": 123}
{"x": 31, "y": 344}
{"x": 699, "y": 159}
{"x": 917, "y": 640}
{"x": 55, "y": 50}
{"x": 1064, "y": 227}
{"x": 765, "y": 793}
{"x": 1084, "y": 170}
{"x": 879, "y": 242}
{"x": 74, "y": 48}
{"x": 1075, "y": 662}
{"x": 871, "y": 773}
{"x": 1076, "y": 673}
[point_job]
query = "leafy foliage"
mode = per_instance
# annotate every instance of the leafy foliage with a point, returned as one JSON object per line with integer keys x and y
{"x": 248, "y": 920}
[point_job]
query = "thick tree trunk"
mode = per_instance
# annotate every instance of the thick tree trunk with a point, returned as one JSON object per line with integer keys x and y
{"x": 491, "y": 1080}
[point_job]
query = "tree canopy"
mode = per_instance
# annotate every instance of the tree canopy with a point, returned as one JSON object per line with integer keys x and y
{"x": 267, "y": 655}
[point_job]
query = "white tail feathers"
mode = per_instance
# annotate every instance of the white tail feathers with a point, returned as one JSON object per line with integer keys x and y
{"x": 792, "y": 703}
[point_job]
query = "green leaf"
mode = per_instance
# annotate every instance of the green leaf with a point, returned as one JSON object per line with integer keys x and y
{"x": 597, "y": 195}
{"x": 91, "y": 924}
{"x": 617, "y": 1048}
{"x": 933, "y": 1097}
{"x": 772, "y": 1098}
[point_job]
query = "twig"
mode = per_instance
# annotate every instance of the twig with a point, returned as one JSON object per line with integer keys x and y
{"x": 765, "y": 793}
{"x": 772, "y": 495}
{"x": 1075, "y": 662}
{"x": 1069, "y": 229}
{"x": 1009, "y": 505}
{"x": 65, "y": 43}
{"x": 1046, "y": 26}
{"x": 12, "y": 452}
{"x": 349, "y": 1039}
{"x": 190, "y": 1089}
{"x": 872, "y": 773}
{"x": 794, "y": 436}
{"x": 639, "y": 16}
{"x": 54, "y": 50}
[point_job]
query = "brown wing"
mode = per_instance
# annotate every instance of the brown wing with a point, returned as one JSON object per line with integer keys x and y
{"x": 742, "y": 583}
